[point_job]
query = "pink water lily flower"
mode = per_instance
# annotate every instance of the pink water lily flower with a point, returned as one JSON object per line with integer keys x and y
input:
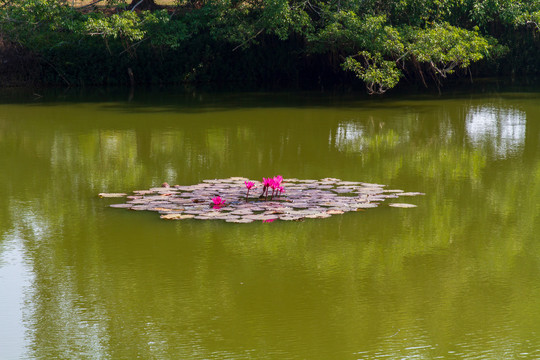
{"x": 218, "y": 202}
{"x": 267, "y": 182}
{"x": 276, "y": 185}
{"x": 249, "y": 185}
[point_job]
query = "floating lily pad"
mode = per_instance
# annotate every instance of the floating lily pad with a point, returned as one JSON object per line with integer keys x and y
{"x": 177, "y": 216}
{"x": 134, "y": 197}
{"x": 164, "y": 209}
{"x": 365, "y": 205}
{"x": 239, "y": 221}
{"x": 347, "y": 183}
{"x": 300, "y": 205}
{"x": 162, "y": 189}
{"x": 318, "y": 216}
{"x": 139, "y": 207}
{"x": 261, "y": 217}
{"x": 342, "y": 191}
{"x": 335, "y": 212}
{"x": 377, "y": 198}
{"x": 402, "y": 205}
{"x": 242, "y": 212}
{"x": 111, "y": 195}
{"x": 201, "y": 217}
{"x": 287, "y": 217}
{"x": 411, "y": 194}
{"x": 226, "y": 217}
{"x": 330, "y": 180}
{"x": 180, "y": 201}
{"x": 194, "y": 212}
{"x": 122, "y": 206}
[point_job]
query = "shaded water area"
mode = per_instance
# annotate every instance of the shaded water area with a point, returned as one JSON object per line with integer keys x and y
{"x": 457, "y": 277}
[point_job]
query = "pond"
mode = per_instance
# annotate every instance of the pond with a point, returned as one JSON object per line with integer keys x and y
{"x": 457, "y": 277}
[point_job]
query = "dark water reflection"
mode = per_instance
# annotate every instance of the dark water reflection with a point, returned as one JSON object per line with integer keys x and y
{"x": 456, "y": 278}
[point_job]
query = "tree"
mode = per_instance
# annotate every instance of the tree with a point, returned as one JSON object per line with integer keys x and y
{"x": 143, "y": 5}
{"x": 380, "y": 41}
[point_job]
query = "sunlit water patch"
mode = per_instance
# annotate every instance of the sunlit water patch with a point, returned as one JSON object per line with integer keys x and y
{"x": 502, "y": 130}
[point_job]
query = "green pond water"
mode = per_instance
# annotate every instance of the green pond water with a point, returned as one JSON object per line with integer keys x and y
{"x": 457, "y": 277}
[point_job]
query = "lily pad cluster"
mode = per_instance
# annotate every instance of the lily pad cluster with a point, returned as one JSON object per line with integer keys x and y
{"x": 303, "y": 199}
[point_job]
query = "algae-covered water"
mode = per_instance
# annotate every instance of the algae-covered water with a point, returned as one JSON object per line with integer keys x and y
{"x": 457, "y": 277}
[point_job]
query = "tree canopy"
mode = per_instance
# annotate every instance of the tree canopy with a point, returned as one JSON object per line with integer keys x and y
{"x": 381, "y": 42}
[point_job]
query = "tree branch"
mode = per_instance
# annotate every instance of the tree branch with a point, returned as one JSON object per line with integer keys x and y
{"x": 137, "y": 4}
{"x": 248, "y": 40}
{"x": 132, "y": 46}
{"x": 534, "y": 23}
{"x": 91, "y": 4}
{"x": 58, "y": 72}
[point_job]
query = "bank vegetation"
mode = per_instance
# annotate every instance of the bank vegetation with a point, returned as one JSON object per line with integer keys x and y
{"x": 269, "y": 43}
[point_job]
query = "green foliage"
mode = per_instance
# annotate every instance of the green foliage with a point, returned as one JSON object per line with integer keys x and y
{"x": 281, "y": 18}
{"x": 239, "y": 39}
{"x": 130, "y": 27}
{"x": 241, "y": 23}
{"x": 126, "y": 25}
{"x": 445, "y": 47}
{"x": 39, "y": 24}
{"x": 527, "y": 18}
{"x": 378, "y": 74}
{"x": 346, "y": 32}
{"x": 442, "y": 47}
{"x": 497, "y": 11}
{"x": 163, "y": 31}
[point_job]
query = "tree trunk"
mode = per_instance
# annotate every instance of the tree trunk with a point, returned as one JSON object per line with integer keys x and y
{"x": 143, "y": 5}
